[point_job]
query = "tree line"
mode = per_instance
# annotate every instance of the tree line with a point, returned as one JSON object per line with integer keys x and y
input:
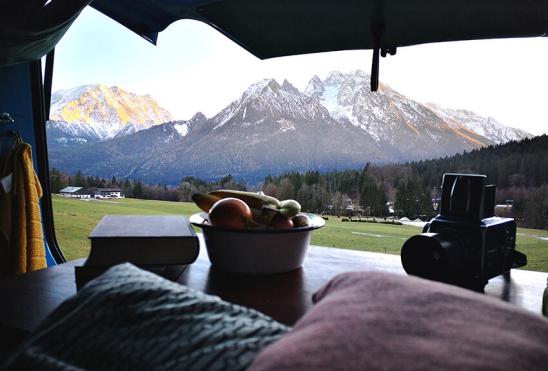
{"x": 519, "y": 169}
{"x": 136, "y": 189}
{"x": 130, "y": 188}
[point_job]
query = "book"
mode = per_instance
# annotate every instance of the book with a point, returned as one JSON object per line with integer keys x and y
{"x": 143, "y": 241}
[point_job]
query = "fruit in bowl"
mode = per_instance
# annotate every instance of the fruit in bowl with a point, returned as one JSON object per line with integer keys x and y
{"x": 248, "y": 232}
{"x": 249, "y": 210}
{"x": 230, "y": 213}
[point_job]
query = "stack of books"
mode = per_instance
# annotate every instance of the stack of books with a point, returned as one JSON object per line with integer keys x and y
{"x": 164, "y": 245}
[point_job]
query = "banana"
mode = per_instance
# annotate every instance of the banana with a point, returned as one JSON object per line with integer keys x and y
{"x": 289, "y": 208}
{"x": 204, "y": 200}
{"x": 272, "y": 214}
{"x": 269, "y": 213}
{"x": 262, "y": 217}
{"x": 252, "y": 199}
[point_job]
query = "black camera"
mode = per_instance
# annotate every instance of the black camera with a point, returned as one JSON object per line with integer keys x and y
{"x": 465, "y": 244}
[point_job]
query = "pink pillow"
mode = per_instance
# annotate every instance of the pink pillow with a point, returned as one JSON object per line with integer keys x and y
{"x": 374, "y": 320}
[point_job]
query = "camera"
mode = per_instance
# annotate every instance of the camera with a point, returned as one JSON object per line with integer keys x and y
{"x": 465, "y": 244}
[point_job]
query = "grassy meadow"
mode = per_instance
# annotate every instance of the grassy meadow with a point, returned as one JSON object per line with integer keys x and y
{"x": 74, "y": 219}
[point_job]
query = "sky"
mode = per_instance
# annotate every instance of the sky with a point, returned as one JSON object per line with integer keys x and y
{"x": 195, "y": 68}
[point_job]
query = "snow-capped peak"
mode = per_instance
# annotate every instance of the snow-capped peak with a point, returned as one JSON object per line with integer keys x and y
{"x": 267, "y": 98}
{"x": 315, "y": 88}
{"x": 485, "y": 126}
{"x": 258, "y": 87}
{"x": 105, "y": 112}
{"x": 384, "y": 114}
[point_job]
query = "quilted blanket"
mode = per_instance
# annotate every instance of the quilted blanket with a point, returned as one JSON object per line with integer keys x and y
{"x": 132, "y": 319}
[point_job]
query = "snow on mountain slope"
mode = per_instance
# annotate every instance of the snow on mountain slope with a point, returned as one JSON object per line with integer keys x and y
{"x": 388, "y": 116}
{"x": 268, "y": 98}
{"x": 485, "y": 126}
{"x": 100, "y": 112}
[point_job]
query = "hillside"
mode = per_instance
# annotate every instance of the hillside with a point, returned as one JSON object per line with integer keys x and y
{"x": 515, "y": 164}
{"x": 518, "y": 169}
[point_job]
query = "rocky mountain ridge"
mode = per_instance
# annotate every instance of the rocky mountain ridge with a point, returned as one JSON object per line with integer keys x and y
{"x": 488, "y": 127}
{"x": 335, "y": 123}
{"x": 97, "y": 112}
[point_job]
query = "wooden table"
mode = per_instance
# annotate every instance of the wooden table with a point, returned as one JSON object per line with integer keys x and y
{"x": 28, "y": 299}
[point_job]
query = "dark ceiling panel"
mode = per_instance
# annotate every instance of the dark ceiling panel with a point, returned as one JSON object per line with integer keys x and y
{"x": 273, "y": 28}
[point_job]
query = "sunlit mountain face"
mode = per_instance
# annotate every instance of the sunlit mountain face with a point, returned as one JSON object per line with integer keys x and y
{"x": 98, "y": 112}
{"x": 488, "y": 127}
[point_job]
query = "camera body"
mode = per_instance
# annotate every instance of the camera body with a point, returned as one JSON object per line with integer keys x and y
{"x": 465, "y": 244}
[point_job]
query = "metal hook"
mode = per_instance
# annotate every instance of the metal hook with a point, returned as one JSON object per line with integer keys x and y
{"x": 5, "y": 118}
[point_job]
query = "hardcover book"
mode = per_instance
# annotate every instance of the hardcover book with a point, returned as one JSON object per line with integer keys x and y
{"x": 143, "y": 240}
{"x": 164, "y": 245}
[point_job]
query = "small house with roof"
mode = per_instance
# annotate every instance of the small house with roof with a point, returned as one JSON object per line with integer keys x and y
{"x": 75, "y": 192}
{"x": 109, "y": 193}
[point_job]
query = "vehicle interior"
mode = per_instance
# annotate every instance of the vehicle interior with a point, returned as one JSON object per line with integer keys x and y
{"x": 343, "y": 310}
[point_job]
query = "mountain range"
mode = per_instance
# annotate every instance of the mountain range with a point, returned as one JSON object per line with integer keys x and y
{"x": 335, "y": 123}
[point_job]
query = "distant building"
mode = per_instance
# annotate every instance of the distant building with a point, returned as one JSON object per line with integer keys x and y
{"x": 504, "y": 210}
{"x": 75, "y": 192}
{"x": 503, "y": 206}
{"x": 349, "y": 208}
{"x": 352, "y": 209}
{"x": 109, "y": 193}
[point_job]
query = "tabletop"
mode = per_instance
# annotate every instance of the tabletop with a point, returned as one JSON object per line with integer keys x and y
{"x": 28, "y": 299}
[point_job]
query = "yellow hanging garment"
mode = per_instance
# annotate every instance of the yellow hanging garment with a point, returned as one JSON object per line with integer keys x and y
{"x": 20, "y": 222}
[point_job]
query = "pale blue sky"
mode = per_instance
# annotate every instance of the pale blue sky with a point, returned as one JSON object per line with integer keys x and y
{"x": 195, "y": 68}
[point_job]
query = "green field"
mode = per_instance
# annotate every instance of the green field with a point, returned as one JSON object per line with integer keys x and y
{"x": 74, "y": 220}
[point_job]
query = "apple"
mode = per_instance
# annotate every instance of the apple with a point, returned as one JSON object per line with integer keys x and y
{"x": 230, "y": 213}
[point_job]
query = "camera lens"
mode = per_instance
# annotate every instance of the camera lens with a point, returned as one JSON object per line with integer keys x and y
{"x": 432, "y": 256}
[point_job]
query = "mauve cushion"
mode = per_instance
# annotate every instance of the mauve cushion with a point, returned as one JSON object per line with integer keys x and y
{"x": 374, "y": 320}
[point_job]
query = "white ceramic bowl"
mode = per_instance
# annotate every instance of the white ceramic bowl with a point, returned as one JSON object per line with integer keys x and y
{"x": 256, "y": 251}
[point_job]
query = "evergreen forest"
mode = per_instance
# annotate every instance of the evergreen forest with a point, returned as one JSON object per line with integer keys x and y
{"x": 518, "y": 169}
